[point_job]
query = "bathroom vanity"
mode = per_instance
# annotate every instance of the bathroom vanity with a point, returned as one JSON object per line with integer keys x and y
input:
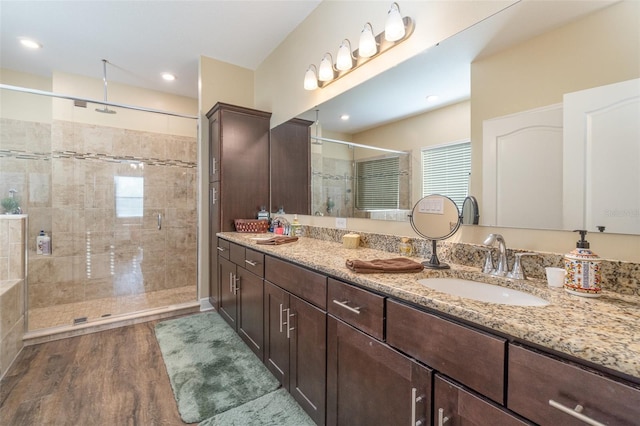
{"x": 384, "y": 349}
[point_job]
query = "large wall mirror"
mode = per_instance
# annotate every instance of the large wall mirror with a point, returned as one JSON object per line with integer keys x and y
{"x": 524, "y": 58}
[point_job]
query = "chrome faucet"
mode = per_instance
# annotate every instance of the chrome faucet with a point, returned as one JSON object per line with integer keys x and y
{"x": 503, "y": 266}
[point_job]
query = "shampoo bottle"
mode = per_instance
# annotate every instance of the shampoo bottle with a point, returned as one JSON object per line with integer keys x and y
{"x": 583, "y": 277}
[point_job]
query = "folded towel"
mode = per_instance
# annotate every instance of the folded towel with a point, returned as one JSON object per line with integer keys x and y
{"x": 276, "y": 241}
{"x": 376, "y": 266}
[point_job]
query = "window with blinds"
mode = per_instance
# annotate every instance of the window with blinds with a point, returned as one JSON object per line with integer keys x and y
{"x": 378, "y": 184}
{"x": 446, "y": 170}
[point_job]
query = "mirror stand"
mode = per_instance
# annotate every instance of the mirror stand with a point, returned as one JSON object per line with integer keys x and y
{"x": 434, "y": 262}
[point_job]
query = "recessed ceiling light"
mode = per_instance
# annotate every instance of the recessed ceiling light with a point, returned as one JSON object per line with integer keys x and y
{"x": 30, "y": 44}
{"x": 168, "y": 76}
{"x": 432, "y": 98}
{"x": 344, "y": 117}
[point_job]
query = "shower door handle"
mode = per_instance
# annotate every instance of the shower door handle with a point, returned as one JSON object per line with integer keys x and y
{"x": 159, "y": 221}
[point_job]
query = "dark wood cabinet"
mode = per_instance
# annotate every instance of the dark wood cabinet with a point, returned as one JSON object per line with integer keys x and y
{"x": 295, "y": 334}
{"x": 241, "y": 300}
{"x": 369, "y": 383}
{"x": 550, "y": 391}
{"x": 454, "y": 405}
{"x": 228, "y": 304}
{"x": 290, "y": 167}
{"x": 238, "y": 172}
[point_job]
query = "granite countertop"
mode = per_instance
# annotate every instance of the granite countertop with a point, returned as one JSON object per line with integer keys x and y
{"x": 603, "y": 330}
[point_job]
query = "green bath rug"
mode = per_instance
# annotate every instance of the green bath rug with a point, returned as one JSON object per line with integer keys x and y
{"x": 277, "y": 408}
{"x": 210, "y": 368}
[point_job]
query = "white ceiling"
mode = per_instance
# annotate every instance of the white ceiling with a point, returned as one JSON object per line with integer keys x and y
{"x": 143, "y": 38}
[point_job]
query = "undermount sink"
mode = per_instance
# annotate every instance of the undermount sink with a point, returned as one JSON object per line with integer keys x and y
{"x": 482, "y": 292}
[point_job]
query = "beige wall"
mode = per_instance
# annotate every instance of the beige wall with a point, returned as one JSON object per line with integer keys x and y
{"x": 18, "y": 106}
{"x": 279, "y": 78}
{"x": 444, "y": 125}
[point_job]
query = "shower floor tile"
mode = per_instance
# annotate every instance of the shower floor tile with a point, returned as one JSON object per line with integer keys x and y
{"x": 63, "y": 315}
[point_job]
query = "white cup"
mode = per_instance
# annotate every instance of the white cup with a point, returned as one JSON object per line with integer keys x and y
{"x": 555, "y": 276}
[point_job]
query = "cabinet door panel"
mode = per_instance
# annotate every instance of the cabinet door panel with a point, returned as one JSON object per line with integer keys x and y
{"x": 290, "y": 153}
{"x": 228, "y": 301}
{"x": 464, "y": 408}
{"x": 276, "y": 344}
{"x": 250, "y": 315}
{"x": 308, "y": 349}
{"x": 369, "y": 383}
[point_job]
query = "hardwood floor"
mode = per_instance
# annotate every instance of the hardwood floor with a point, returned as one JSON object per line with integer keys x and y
{"x": 115, "y": 377}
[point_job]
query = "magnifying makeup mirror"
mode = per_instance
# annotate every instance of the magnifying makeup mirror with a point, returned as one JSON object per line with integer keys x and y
{"x": 435, "y": 217}
{"x": 470, "y": 211}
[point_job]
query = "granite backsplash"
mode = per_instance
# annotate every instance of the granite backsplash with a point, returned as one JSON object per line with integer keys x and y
{"x": 617, "y": 276}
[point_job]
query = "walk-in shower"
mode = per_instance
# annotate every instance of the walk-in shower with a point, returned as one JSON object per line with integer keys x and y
{"x": 116, "y": 193}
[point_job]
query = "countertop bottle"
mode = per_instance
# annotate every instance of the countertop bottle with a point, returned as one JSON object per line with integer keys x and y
{"x": 583, "y": 277}
{"x": 296, "y": 227}
{"x": 405, "y": 247}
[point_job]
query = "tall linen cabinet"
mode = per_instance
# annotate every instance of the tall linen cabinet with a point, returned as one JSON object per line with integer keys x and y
{"x": 238, "y": 174}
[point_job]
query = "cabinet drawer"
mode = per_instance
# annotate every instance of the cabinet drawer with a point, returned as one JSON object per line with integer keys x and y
{"x": 237, "y": 254}
{"x": 360, "y": 308}
{"x": 304, "y": 283}
{"x": 223, "y": 248}
{"x": 463, "y": 407}
{"x": 535, "y": 379}
{"x": 471, "y": 357}
{"x": 254, "y": 262}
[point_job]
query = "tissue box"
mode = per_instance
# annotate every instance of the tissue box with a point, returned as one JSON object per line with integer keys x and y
{"x": 351, "y": 241}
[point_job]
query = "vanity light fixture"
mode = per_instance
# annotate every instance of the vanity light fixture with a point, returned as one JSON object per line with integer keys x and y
{"x": 344, "y": 59}
{"x": 394, "y": 27}
{"x": 325, "y": 71}
{"x": 397, "y": 30}
{"x": 368, "y": 46}
{"x": 30, "y": 44}
{"x": 311, "y": 78}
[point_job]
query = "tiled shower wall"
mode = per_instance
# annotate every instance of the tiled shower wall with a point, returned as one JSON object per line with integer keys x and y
{"x": 64, "y": 173}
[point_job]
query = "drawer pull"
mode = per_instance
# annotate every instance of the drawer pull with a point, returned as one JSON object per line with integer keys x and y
{"x": 250, "y": 262}
{"x": 221, "y": 249}
{"x": 576, "y": 412}
{"x": 415, "y": 399}
{"x": 441, "y": 418}
{"x": 346, "y": 306}
{"x": 281, "y": 312}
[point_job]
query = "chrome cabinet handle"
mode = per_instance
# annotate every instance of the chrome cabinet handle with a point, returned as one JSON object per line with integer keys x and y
{"x": 415, "y": 399}
{"x": 159, "y": 221}
{"x": 220, "y": 248}
{"x": 230, "y": 282}
{"x": 250, "y": 262}
{"x": 213, "y": 197}
{"x": 576, "y": 412}
{"x": 441, "y": 417}
{"x": 345, "y": 305}
{"x": 281, "y": 312}
{"x": 289, "y": 328}
{"x": 235, "y": 284}
{"x": 213, "y": 165}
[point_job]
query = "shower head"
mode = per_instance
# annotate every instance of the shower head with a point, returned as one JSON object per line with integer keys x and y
{"x": 105, "y": 110}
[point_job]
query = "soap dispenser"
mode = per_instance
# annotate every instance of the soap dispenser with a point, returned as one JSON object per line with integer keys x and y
{"x": 296, "y": 227}
{"x": 583, "y": 277}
